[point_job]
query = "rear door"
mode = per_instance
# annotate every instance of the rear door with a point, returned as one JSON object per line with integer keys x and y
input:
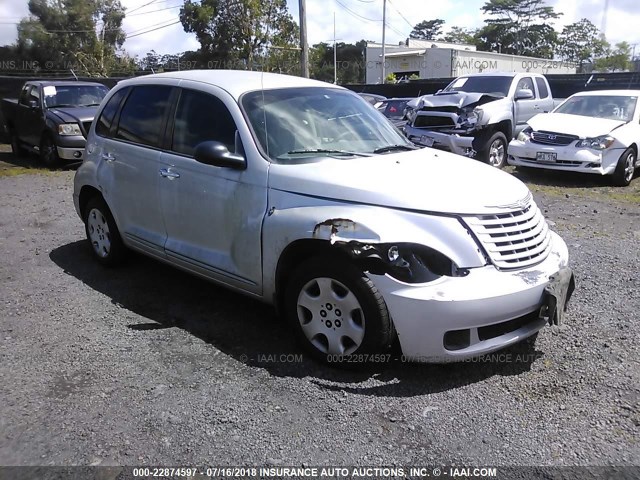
{"x": 129, "y": 152}
{"x": 213, "y": 215}
{"x": 546, "y": 101}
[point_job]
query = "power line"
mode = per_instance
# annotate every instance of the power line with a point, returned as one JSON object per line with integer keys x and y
{"x": 142, "y": 6}
{"x": 153, "y": 11}
{"x": 152, "y": 30}
{"x": 356, "y": 14}
{"x": 400, "y": 13}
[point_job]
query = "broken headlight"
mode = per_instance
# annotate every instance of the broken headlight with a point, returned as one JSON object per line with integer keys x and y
{"x": 407, "y": 262}
{"x": 525, "y": 134}
{"x": 470, "y": 117}
{"x": 597, "y": 143}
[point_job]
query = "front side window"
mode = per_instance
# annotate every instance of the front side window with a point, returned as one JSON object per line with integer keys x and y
{"x": 103, "y": 125}
{"x": 293, "y": 123}
{"x": 526, "y": 84}
{"x": 143, "y": 115}
{"x": 201, "y": 117}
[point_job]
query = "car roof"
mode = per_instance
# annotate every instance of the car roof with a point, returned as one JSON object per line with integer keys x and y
{"x": 500, "y": 74}
{"x": 63, "y": 83}
{"x": 236, "y": 82}
{"x": 626, "y": 93}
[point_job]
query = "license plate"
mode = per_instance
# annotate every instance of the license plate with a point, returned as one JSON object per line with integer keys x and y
{"x": 556, "y": 296}
{"x": 549, "y": 157}
{"x": 427, "y": 141}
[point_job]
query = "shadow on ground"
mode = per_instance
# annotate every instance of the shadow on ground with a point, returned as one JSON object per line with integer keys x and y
{"x": 568, "y": 180}
{"x": 28, "y": 161}
{"x": 250, "y": 331}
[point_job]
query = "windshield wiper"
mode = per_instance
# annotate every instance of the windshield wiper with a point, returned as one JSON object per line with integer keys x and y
{"x": 89, "y": 105}
{"x": 324, "y": 150}
{"x": 391, "y": 148}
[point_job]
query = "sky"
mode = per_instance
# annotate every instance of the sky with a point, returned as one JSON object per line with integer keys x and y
{"x": 355, "y": 20}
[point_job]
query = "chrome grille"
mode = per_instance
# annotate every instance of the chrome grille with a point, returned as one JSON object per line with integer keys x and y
{"x": 551, "y": 138}
{"x": 513, "y": 240}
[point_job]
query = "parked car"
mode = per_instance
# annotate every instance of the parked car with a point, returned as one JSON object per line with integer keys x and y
{"x": 394, "y": 109}
{"x": 52, "y": 118}
{"x": 296, "y": 193}
{"x": 591, "y": 132}
{"x": 372, "y": 98}
{"x": 478, "y": 114}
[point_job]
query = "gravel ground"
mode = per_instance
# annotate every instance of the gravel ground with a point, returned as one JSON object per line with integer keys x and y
{"x": 145, "y": 365}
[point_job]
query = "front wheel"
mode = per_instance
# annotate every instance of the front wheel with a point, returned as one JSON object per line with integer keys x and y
{"x": 102, "y": 233}
{"x": 336, "y": 312}
{"x": 625, "y": 168}
{"x": 495, "y": 153}
{"x": 49, "y": 152}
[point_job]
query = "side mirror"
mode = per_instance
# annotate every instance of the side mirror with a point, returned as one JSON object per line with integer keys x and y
{"x": 218, "y": 155}
{"x": 32, "y": 103}
{"x": 524, "y": 94}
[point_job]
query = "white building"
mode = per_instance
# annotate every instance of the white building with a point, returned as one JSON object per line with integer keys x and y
{"x": 430, "y": 59}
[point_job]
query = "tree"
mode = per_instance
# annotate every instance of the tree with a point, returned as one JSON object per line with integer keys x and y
{"x": 519, "y": 27}
{"x": 427, "y": 29}
{"x": 84, "y": 35}
{"x": 350, "y": 62}
{"x": 581, "y": 43}
{"x": 615, "y": 60}
{"x": 461, "y": 35}
{"x": 239, "y": 33}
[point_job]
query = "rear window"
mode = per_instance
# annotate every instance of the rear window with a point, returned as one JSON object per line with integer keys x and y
{"x": 542, "y": 87}
{"x": 143, "y": 115}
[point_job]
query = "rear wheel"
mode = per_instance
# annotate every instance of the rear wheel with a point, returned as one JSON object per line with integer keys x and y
{"x": 336, "y": 312}
{"x": 625, "y": 168}
{"x": 16, "y": 147}
{"x": 102, "y": 233}
{"x": 49, "y": 152}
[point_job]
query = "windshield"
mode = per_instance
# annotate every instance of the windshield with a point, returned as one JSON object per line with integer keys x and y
{"x": 495, "y": 85}
{"x": 74, "y": 95}
{"x": 612, "y": 107}
{"x": 293, "y": 123}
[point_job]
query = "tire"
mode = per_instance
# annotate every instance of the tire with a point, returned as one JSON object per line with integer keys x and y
{"x": 336, "y": 311}
{"x": 102, "y": 233}
{"x": 17, "y": 149}
{"x": 495, "y": 153}
{"x": 625, "y": 169}
{"x": 49, "y": 152}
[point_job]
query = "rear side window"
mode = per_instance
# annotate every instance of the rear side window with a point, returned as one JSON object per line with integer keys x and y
{"x": 103, "y": 126}
{"x": 542, "y": 87}
{"x": 201, "y": 117}
{"x": 143, "y": 115}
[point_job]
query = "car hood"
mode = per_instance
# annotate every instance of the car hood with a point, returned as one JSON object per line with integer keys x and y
{"x": 579, "y": 125}
{"x": 425, "y": 180}
{"x": 457, "y": 99}
{"x": 74, "y": 114}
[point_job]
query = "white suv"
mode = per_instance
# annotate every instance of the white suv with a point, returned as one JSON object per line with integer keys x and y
{"x": 300, "y": 194}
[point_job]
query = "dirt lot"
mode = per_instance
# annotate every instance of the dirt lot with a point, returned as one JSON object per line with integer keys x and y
{"x": 145, "y": 365}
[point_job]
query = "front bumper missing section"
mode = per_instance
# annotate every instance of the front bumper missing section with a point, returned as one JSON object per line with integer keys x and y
{"x": 557, "y": 295}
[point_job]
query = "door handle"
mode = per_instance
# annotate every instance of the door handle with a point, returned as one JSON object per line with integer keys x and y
{"x": 108, "y": 157}
{"x": 164, "y": 172}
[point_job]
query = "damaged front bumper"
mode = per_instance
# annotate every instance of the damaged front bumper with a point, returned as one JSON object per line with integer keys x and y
{"x": 457, "y": 318}
{"x": 451, "y": 142}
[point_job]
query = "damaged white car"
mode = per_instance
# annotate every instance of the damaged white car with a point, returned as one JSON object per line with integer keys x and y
{"x": 591, "y": 132}
{"x": 298, "y": 193}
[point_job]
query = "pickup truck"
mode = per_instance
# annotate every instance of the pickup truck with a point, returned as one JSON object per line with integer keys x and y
{"x": 477, "y": 115}
{"x": 52, "y": 118}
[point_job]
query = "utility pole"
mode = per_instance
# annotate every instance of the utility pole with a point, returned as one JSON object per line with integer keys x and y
{"x": 304, "y": 45}
{"x": 335, "y": 52}
{"x": 384, "y": 26}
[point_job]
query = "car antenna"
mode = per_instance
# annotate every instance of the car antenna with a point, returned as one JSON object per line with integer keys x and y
{"x": 74, "y": 74}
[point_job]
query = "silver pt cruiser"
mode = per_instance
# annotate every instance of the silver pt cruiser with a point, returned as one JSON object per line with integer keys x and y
{"x": 299, "y": 193}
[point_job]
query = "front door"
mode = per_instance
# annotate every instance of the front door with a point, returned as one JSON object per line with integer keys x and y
{"x": 213, "y": 215}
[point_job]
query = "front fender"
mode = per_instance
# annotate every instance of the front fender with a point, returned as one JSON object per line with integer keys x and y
{"x": 294, "y": 217}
